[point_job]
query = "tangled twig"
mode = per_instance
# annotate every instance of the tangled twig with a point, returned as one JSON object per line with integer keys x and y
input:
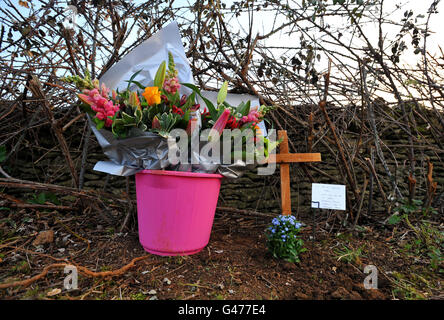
{"x": 83, "y": 270}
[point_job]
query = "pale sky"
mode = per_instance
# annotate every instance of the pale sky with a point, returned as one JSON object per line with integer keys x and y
{"x": 263, "y": 24}
{"x": 262, "y": 21}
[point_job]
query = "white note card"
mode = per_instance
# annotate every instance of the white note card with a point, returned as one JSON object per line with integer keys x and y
{"x": 328, "y": 196}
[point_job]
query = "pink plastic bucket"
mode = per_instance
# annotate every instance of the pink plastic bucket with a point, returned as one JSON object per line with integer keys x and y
{"x": 175, "y": 210}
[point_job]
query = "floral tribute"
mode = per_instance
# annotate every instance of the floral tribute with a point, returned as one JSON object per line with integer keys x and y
{"x": 160, "y": 108}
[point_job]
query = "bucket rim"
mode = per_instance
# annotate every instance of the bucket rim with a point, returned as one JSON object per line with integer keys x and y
{"x": 182, "y": 174}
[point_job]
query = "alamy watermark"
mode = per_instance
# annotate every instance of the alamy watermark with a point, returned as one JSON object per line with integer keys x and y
{"x": 71, "y": 280}
{"x": 233, "y": 147}
{"x": 371, "y": 281}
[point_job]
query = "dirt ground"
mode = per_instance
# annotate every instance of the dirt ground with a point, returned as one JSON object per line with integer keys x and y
{"x": 234, "y": 265}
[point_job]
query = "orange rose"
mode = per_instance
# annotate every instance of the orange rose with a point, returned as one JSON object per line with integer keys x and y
{"x": 152, "y": 95}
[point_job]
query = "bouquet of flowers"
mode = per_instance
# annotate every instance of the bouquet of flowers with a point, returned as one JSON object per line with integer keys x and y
{"x": 156, "y": 111}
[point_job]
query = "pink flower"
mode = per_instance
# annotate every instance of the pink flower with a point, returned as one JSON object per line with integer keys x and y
{"x": 100, "y": 116}
{"x": 171, "y": 85}
{"x": 219, "y": 126}
{"x": 108, "y": 122}
{"x": 100, "y": 103}
{"x": 105, "y": 91}
{"x": 253, "y": 117}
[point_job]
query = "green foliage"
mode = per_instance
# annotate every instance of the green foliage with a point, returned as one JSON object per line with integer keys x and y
{"x": 131, "y": 80}
{"x": 99, "y": 123}
{"x": 166, "y": 121}
{"x": 133, "y": 118}
{"x": 21, "y": 267}
{"x": 349, "y": 254}
{"x": 138, "y": 296}
{"x": 428, "y": 243}
{"x": 395, "y": 219}
{"x": 406, "y": 208}
{"x": 283, "y": 240}
{"x": 79, "y": 82}
{"x": 405, "y": 289}
{"x": 160, "y": 75}
{"x": 243, "y": 108}
{"x": 44, "y": 197}
{"x": 172, "y": 71}
{"x": 208, "y": 103}
{"x": 222, "y": 95}
{"x": 436, "y": 258}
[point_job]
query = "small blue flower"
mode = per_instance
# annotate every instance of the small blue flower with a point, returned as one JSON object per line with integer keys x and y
{"x": 273, "y": 230}
{"x": 286, "y": 229}
{"x": 298, "y": 225}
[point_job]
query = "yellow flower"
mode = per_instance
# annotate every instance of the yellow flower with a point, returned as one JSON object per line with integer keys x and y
{"x": 258, "y": 130}
{"x": 152, "y": 95}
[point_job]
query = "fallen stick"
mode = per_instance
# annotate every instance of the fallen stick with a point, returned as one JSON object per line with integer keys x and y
{"x": 25, "y": 184}
{"x": 27, "y": 282}
{"x": 40, "y": 206}
{"x": 246, "y": 212}
{"x": 17, "y": 203}
{"x": 83, "y": 270}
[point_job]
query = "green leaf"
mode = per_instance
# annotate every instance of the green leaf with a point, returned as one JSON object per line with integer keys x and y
{"x": 132, "y": 78}
{"x": 139, "y": 115}
{"x": 209, "y": 104}
{"x": 87, "y": 109}
{"x": 222, "y": 95}
{"x": 100, "y": 124}
{"x": 243, "y": 108}
{"x": 160, "y": 75}
{"x": 41, "y": 198}
{"x": 167, "y": 122}
{"x": 394, "y": 219}
{"x": 227, "y": 105}
{"x": 127, "y": 119}
{"x": 137, "y": 83}
{"x": 51, "y": 197}
{"x": 143, "y": 127}
{"x": 118, "y": 128}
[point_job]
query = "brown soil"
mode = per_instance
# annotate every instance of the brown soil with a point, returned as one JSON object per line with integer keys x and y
{"x": 234, "y": 265}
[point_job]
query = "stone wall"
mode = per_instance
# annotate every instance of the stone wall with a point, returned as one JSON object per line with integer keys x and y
{"x": 260, "y": 193}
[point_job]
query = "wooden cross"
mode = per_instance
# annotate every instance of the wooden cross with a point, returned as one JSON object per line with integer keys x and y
{"x": 284, "y": 158}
